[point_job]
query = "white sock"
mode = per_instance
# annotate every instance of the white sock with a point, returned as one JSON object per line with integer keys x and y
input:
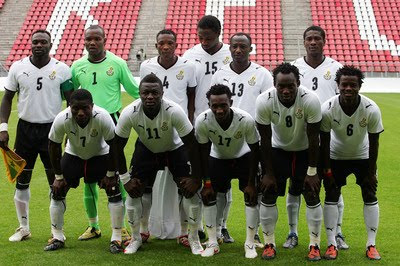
{"x": 210, "y": 218}
{"x": 117, "y": 215}
{"x": 292, "y": 207}
{"x": 268, "y": 219}
{"x": 134, "y": 211}
{"x": 183, "y": 216}
{"x": 192, "y": 209}
{"x": 201, "y": 225}
{"x": 330, "y": 218}
{"x": 221, "y": 204}
{"x": 21, "y": 200}
{"x": 227, "y": 208}
{"x": 251, "y": 224}
{"x": 57, "y": 209}
{"x": 144, "y": 222}
{"x": 371, "y": 219}
{"x": 340, "y": 207}
{"x": 314, "y": 220}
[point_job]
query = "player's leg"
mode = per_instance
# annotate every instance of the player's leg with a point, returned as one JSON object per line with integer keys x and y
{"x": 226, "y": 237}
{"x": 144, "y": 222}
{"x": 292, "y": 207}
{"x": 90, "y": 201}
{"x": 340, "y": 239}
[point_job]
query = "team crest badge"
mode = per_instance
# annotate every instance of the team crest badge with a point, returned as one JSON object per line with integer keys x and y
{"x": 93, "y": 132}
{"x": 363, "y": 122}
{"x": 52, "y": 76}
{"x": 110, "y": 71}
{"x": 238, "y": 135}
{"x": 252, "y": 81}
{"x": 180, "y": 75}
{"x": 299, "y": 113}
{"x": 226, "y": 60}
{"x": 328, "y": 75}
{"x": 164, "y": 126}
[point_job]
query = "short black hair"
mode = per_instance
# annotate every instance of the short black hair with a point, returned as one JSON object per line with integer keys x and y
{"x": 81, "y": 95}
{"x": 210, "y": 22}
{"x": 241, "y": 34}
{"x": 350, "y": 71}
{"x": 316, "y": 28}
{"x": 165, "y": 31}
{"x": 286, "y": 68}
{"x": 41, "y": 31}
{"x": 219, "y": 89}
{"x": 151, "y": 78}
{"x": 97, "y": 27}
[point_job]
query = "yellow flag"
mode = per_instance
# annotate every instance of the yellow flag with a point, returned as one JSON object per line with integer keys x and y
{"x": 14, "y": 164}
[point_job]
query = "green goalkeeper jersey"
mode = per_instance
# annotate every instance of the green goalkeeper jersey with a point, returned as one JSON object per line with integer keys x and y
{"x": 103, "y": 79}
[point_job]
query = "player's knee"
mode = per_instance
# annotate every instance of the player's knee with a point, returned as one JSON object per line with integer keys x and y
{"x": 209, "y": 201}
{"x": 114, "y": 195}
{"x": 332, "y": 194}
{"x": 311, "y": 198}
{"x": 296, "y": 188}
{"x": 269, "y": 198}
{"x": 24, "y": 179}
{"x": 368, "y": 195}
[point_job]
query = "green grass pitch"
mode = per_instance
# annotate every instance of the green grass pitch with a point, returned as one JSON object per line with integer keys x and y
{"x": 167, "y": 252}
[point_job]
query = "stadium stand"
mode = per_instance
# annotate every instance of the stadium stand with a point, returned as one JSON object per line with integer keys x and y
{"x": 66, "y": 21}
{"x": 364, "y": 33}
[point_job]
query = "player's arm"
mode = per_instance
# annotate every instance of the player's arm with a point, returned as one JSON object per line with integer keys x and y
{"x": 5, "y": 111}
{"x": 325, "y": 157}
{"x": 207, "y": 193}
{"x": 373, "y": 139}
{"x": 268, "y": 181}
{"x": 59, "y": 184}
{"x": 110, "y": 181}
{"x": 250, "y": 192}
{"x": 191, "y": 92}
{"x": 129, "y": 82}
{"x": 312, "y": 178}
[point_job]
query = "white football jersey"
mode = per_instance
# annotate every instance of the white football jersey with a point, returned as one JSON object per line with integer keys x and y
{"x": 159, "y": 134}
{"x": 206, "y": 65}
{"x": 230, "y": 143}
{"x": 349, "y": 134}
{"x": 320, "y": 79}
{"x": 84, "y": 142}
{"x": 289, "y": 125}
{"x": 175, "y": 79}
{"x": 39, "y": 99}
{"x": 246, "y": 86}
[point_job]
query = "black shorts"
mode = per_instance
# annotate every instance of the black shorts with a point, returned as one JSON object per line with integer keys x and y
{"x": 223, "y": 171}
{"x": 341, "y": 169}
{"x": 92, "y": 170}
{"x": 289, "y": 164}
{"x": 145, "y": 164}
{"x": 33, "y": 139}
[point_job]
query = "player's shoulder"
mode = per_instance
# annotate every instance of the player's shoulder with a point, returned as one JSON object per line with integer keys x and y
{"x": 204, "y": 116}
{"x": 184, "y": 62}
{"x": 241, "y": 114}
{"x": 59, "y": 64}
{"x": 111, "y": 57}
{"x": 150, "y": 61}
{"x": 307, "y": 95}
{"x": 368, "y": 104}
{"x": 193, "y": 51}
{"x": 332, "y": 62}
{"x": 298, "y": 62}
{"x": 81, "y": 61}
{"x": 170, "y": 106}
{"x": 64, "y": 116}
{"x": 330, "y": 104}
{"x": 100, "y": 111}
{"x": 19, "y": 64}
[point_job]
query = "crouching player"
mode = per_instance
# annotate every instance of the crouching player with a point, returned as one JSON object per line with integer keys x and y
{"x": 231, "y": 136}
{"x": 165, "y": 139}
{"x": 350, "y": 128}
{"x": 88, "y": 154}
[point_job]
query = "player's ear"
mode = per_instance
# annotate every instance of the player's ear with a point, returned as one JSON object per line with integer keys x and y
{"x": 251, "y": 48}
{"x": 230, "y": 102}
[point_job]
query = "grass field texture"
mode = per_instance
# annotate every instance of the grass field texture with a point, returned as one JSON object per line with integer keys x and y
{"x": 167, "y": 252}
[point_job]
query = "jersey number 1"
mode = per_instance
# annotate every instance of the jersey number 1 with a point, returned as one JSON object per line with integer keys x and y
{"x": 94, "y": 79}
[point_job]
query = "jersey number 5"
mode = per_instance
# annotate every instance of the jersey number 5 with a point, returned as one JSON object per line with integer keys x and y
{"x": 39, "y": 83}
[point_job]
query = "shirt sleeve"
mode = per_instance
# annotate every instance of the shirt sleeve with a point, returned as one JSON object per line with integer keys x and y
{"x": 251, "y": 132}
{"x": 75, "y": 80}
{"x": 67, "y": 83}
{"x": 108, "y": 127}
{"x": 57, "y": 130}
{"x": 192, "y": 82}
{"x": 201, "y": 129}
{"x": 375, "y": 121}
{"x": 124, "y": 124}
{"x": 267, "y": 82}
{"x": 313, "y": 109}
{"x": 181, "y": 122}
{"x": 128, "y": 81}
{"x": 326, "y": 122}
{"x": 11, "y": 81}
{"x": 263, "y": 115}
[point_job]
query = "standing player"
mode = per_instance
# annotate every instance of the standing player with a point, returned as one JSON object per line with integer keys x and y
{"x": 178, "y": 78}
{"x": 41, "y": 82}
{"x": 209, "y": 56}
{"x": 88, "y": 154}
{"x": 288, "y": 118}
{"x": 165, "y": 139}
{"x": 317, "y": 72}
{"x": 102, "y": 73}
{"x": 231, "y": 136}
{"x": 350, "y": 128}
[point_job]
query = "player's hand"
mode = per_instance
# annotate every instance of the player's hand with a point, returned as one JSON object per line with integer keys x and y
{"x": 4, "y": 139}
{"x": 313, "y": 183}
{"x": 268, "y": 183}
{"x": 135, "y": 188}
{"x": 250, "y": 195}
{"x": 189, "y": 186}
{"x": 208, "y": 195}
{"x": 110, "y": 184}
{"x": 59, "y": 189}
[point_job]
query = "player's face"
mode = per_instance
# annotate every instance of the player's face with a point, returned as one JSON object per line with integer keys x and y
{"x": 94, "y": 41}
{"x": 349, "y": 88}
{"x": 41, "y": 44}
{"x": 151, "y": 95}
{"x": 240, "y": 48}
{"x": 207, "y": 38}
{"x": 286, "y": 87}
{"x": 314, "y": 43}
{"x": 166, "y": 45}
{"x": 81, "y": 111}
{"x": 220, "y": 105}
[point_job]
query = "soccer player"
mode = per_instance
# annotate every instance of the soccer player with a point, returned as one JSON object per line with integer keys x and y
{"x": 88, "y": 154}
{"x": 317, "y": 72}
{"x": 178, "y": 76}
{"x": 229, "y": 147}
{"x": 165, "y": 140}
{"x": 350, "y": 128}
{"x": 288, "y": 118}
{"x": 41, "y": 81}
{"x": 102, "y": 73}
{"x": 209, "y": 55}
